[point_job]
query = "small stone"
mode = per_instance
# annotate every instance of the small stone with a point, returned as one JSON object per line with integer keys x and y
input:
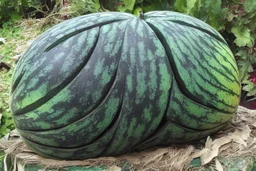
{"x": 254, "y": 124}
{"x": 2, "y": 41}
{"x": 30, "y": 42}
{"x": 16, "y": 57}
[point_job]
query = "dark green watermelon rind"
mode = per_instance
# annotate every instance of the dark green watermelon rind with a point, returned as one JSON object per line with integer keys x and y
{"x": 170, "y": 132}
{"x": 211, "y": 76}
{"x": 55, "y": 67}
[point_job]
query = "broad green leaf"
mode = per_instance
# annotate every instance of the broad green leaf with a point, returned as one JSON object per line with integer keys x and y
{"x": 243, "y": 54}
{"x": 190, "y": 5}
{"x": 15, "y": 16}
{"x": 252, "y": 24}
{"x": 155, "y": 5}
{"x": 244, "y": 67}
{"x": 210, "y": 11}
{"x": 197, "y": 9}
{"x": 180, "y": 5}
{"x": 252, "y": 92}
{"x": 214, "y": 6}
{"x": 96, "y": 5}
{"x": 127, "y": 6}
{"x": 225, "y": 12}
{"x": 242, "y": 36}
{"x": 228, "y": 15}
{"x": 139, "y": 1}
{"x": 80, "y": 7}
{"x": 250, "y": 5}
{"x": 248, "y": 87}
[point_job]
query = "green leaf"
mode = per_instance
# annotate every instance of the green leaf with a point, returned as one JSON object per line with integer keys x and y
{"x": 96, "y": 5}
{"x": 80, "y": 7}
{"x": 242, "y": 54}
{"x": 155, "y": 5}
{"x": 15, "y": 16}
{"x": 210, "y": 11}
{"x": 139, "y": 1}
{"x": 216, "y": 7}
{"x": 250, "y": 5}
{"x": 248, "y": 87}
{"x": 228, "y": 15}
{"x": 252, "y": 92}
{"x": 180, "y": 5}
{"x": 244, "y": 67}
{"x": 127, "y": 6}
{"x": 243, "y": 37}
{"x": 190, "y": 5}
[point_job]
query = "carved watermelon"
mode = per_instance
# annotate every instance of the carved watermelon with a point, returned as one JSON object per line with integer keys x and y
{"x": 109, "y": 83}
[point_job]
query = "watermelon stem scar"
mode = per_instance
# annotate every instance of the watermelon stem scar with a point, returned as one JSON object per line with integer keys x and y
{"x": 142, "y": 16}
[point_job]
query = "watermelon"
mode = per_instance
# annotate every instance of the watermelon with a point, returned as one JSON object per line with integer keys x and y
{"x": 109, "y": 83}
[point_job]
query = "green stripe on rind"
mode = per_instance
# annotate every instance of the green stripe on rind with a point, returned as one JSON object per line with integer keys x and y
{"x": 191, "y": 71}
{"x": 192, "y": 115}
{"x": 88, "y": 128}
{"x": 136, "y": 68}
{"x": 53, "y": 69}
{"x": 88, "y": 151}
{"x": 170, "y": 133}
{"x": 84, "y": 92}
{"x": 142, "y": 105}
{"x": 67, "y": 27}
{"x": 35, "y": 56}
{"x": 176, "y": 17}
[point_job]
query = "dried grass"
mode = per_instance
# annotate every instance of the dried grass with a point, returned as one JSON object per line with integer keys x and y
{"x": 235, "y": 140}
